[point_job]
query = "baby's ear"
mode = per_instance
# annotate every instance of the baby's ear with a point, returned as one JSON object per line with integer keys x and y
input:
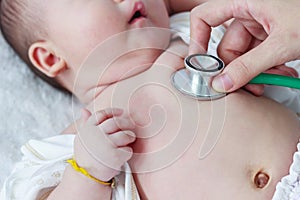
{"x": 44, "y": 59}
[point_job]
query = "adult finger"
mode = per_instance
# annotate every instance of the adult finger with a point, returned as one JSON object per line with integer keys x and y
{"x": 283, "y": 70}
{"x": 241, "y": 70}
{"x": 204, "y": 17}
{"x": 235, "y": 42}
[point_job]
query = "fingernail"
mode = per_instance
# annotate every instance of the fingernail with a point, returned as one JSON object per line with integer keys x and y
{"x": 222, "y": 83}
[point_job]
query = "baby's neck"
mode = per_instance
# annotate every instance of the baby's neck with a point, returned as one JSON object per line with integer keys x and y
{"x": 111, "y": 72}
{"x": 156, "y": 66}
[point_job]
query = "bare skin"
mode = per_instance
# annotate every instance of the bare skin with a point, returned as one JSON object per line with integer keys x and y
{"x": 240, "y": 145}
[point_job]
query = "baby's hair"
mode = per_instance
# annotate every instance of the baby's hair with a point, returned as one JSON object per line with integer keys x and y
{"x": 21, "y": 26}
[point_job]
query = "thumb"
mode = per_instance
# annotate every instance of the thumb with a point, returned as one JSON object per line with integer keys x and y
{"x": 85, "y": 114}
{"x": 241, "y": 70}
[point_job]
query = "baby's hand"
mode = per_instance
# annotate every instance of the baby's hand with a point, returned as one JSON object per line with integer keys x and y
{"x": 101, "y": 146}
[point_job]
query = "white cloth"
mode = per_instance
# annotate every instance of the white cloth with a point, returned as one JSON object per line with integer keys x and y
{"x": 289, "y": 186}
{"x": 42, "y": 167}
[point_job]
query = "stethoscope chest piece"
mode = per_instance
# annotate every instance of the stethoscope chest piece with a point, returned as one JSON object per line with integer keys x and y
{"x": 195, "y": 80}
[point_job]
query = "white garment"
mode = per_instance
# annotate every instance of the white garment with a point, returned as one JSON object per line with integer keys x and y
{"x": 289, "y": 186}
{"x": 43, "y": 162}
{"x": 42, "y": 167}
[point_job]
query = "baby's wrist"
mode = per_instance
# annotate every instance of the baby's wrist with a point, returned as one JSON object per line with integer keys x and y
{"x": 94, "y": 167}
{"x": 74, "y": 185}
{"x": 87, "y": 175}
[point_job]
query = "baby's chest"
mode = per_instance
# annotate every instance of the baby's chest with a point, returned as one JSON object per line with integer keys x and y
{"x": 148, "y": 94}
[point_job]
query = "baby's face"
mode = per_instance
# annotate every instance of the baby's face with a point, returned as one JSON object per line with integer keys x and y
{"x": 76, "y": 27}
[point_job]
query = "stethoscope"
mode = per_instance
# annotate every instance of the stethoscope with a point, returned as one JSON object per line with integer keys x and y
{"x": 196, "y": 79}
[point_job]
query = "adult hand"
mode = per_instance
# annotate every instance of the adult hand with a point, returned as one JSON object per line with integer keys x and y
{"x": 263, "y": 34}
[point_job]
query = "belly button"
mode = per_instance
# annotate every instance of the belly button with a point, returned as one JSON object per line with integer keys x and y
{"x": 261, "y": 179}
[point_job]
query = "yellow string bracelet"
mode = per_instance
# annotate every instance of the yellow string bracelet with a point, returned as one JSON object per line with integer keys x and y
{"x": 81, "y": 170}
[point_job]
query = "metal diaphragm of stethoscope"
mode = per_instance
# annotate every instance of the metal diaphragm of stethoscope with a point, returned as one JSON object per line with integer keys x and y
{"x": 196, "y": 79}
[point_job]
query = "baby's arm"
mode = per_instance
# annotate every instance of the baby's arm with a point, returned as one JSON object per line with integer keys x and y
{"x": 101, "y": 148}
{"x": 176, "y": 6}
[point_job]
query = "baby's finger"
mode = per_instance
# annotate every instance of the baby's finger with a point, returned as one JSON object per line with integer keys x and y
{"x": 118, "y": 157}
{"x": 122, "y": 138}
{"x": 125, "y": 153}
{"x": 85, "y": 114}
{"x": 202, "y": 20}
{"x": 100, "y": 116}
{"x": 115, "y": 124}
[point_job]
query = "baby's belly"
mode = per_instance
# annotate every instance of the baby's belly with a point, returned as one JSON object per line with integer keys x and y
{"x": 216, "y": 150}
{"x": 188, "y": 148}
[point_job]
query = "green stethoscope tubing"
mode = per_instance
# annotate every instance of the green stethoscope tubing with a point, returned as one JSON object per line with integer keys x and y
{"x": 278, "y": 80}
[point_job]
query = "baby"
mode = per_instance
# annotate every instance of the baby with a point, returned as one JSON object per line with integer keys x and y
{"x": 180, "y": 143}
